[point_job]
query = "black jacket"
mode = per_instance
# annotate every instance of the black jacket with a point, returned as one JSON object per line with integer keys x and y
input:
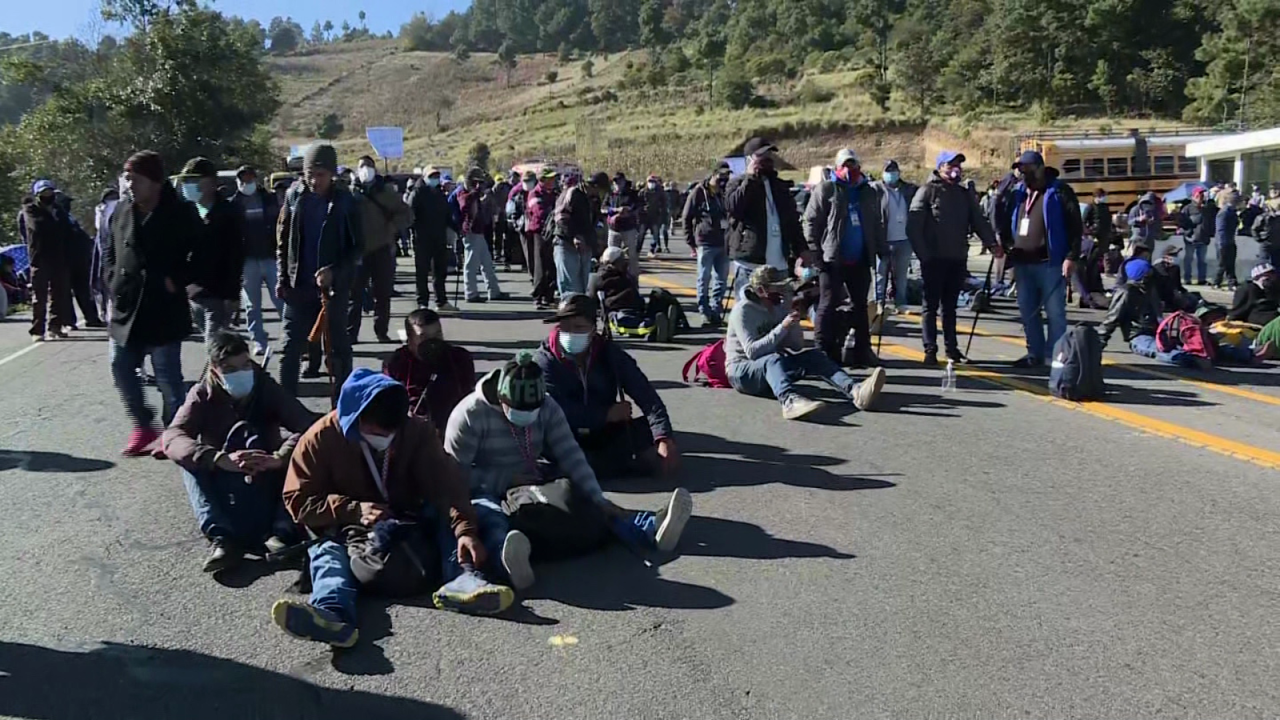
{"x": 341, "y": 239}
{"x": 704, "y": 218}
{"x": 141, "y": 255}
{"x": 1254, "y": 305}
{"x": 575, "y": 218}
{"x": 1197, "y": 222}
{"x": 621, "y": 290}
{"x": 745, "y": 201}
{"x": 50, "y": 232}
{"x": 1097, "y": 221}
{"x": 1001, "y": 215}
{"x": 431, "y": 214}
{"x": 624, "y": 210}
{"x": 217, "y": 261}
{"x": 654, "y": 205}
{"x": 260, "y": 240}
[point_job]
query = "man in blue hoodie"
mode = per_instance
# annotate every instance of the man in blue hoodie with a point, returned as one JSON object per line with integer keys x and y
{"x": 1047, "y": 232}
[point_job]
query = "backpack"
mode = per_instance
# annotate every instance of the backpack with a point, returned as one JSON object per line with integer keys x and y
{"x": 394, "y": 559}
{"x": 1183, "y": 331}
{"x": 1076, "y": 370}
{"x": 560, "y": 523}
{"x": 709, "y": 364}
{"x": 663, "y": 304}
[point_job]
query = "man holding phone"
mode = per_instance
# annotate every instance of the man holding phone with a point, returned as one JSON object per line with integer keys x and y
{"x": 764, "y": 225}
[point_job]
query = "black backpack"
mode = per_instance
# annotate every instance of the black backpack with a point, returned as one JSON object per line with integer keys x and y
{"x": 1076, "y": 369}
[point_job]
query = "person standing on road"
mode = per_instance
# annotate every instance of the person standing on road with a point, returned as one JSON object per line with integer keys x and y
{"x": 1226, "y": 223}
{"x": 48, "y": 234}
{"x": 894, "y": 259}
{"x": 475, "y": 204}
{"x": 653, "y": 204}
{"x": 431, "y": 249}
{"x": 764, "y": 224}
{"x": 539, "y": 212}
{"x": 259, "y": 211}
{"x": 1046, "y": 247}
{"x": 842, "y": 226}
{"x": 147, "y": 269}
{"x": 227, "y": 439}
{"x": 1146, "y": 218}
{"x": 385, "y": 216}
{"x": 622, "y": 210}
{"x": 705, "y": 225}
{"x": 217, "y": 262}
{"x": 79, "y": 262}
{"x": 943, "y": 214}
{"x": 575, "y": 232}
{"x": 102, "y": 237}
{"x": 675, "y": 205}
{"x": 1197, "y": 220}
{"x": 321, "y": 240}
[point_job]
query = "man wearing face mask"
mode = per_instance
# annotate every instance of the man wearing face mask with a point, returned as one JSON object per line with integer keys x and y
{"x": 233, "y": 438}
{"x": 575, "y": 231}
{"x": 369, "y": 470}
{"x": 217, "y": 261}
{"x": 942, "y": 217}
{"x": 385, "y": 216}
{"x": 653, "y": 200}
{"x": 894, "y": 259}
{"x": 514, "y": 211}
{"x": 475, "y": 203}
{"x": 539, "y": 209}
{"x": 437, "y": 374}
{"x": 842, "y": 225}
{"x": 503, "y": 431}
{"x": 622, "y": 210}
{"x": 1048, "y": 232}
{"x": 49, "y": 236}
{"x": 764, "y": 224}
{"x": 431, "y": 251}
{"x": 587, "y": 374}
{"x": 765, "y": 355}
{"x": 260, "y": 211}
{"x": 705, "y": 225}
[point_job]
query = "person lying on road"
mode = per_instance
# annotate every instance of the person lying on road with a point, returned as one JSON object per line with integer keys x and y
{"x": 437, "y": 374}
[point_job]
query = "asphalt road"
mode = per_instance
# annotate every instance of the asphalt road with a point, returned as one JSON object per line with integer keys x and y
{"x": 983, "y": 553}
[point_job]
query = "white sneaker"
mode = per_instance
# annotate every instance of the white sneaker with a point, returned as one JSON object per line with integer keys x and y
{"x": 679, "y": 509}
{"x": 515, "y": 558}
{"x": 795, "y": 407}
{"x": 868, "y": 390}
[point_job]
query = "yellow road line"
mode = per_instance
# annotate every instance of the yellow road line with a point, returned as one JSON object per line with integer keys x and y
{"x": 1262, "y": 457}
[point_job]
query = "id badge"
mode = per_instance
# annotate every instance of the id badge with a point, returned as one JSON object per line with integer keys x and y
{"x": 1024, "y": 227}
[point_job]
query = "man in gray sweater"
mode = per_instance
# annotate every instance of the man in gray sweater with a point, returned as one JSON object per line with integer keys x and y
{"x": 499, "y": 433}
{"x": 765, "y": 354}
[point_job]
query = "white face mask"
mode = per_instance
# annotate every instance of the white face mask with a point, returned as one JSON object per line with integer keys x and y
{"x": 248, "y": 188}
{"x": 522, "y": 418}
{"x": 378, "y": 442}
{"x": 239, "y": 383}
{"x": 366, "y": 174}
{"x": 575, "y": 343}
{"x": 528, "y": 185}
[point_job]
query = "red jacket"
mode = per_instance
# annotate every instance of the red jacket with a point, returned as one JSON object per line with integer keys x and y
{"x": 538, "y": 206}
{"x": 445, "y": 385}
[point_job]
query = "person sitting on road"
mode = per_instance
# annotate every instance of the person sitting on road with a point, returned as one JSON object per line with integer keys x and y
{"x": 1257, "y": 302}
{"x": 227, "y": 439}
{"x": 437, "y": 374}
{"x": 625, "y": 308}
{"x": 765, "y": 354}
{"x": 362, "y": 471}
{"x": 587, "y": 373}
{"x": 1135, "y": 307}
{"x": 509, "y": 433}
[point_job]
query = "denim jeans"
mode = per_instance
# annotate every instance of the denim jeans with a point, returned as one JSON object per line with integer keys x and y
{"x": 166, "y": 360}
{"x": 1042, "y": 286}
{"x": 573, "y": 269}
{"x": 776, "y": 374}
{"x": 658, "y": 231}
{"x": 228, "y": 508}
{"x": 212, "y": 315}
{"x": 628, "y": 240}
{"x": 1199, "y": 250}
{"x": 301, "y": 309}
{"x": 477, "y": 260}
{"x": 897, "y": 262}
{"x": 259, "y": 272}
{"x": 1145, "y": 345}
{"x": 713, "y": 275}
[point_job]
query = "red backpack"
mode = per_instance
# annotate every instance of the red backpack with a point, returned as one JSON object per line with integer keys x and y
{"x": 709, "y": 364}
{"x": 1183, "y": 331}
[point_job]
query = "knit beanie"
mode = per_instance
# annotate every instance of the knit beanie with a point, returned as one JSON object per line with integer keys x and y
{"x": 146, "y": 163}
{"x": 321, "y": 155}
{"x": 520, "y": 384}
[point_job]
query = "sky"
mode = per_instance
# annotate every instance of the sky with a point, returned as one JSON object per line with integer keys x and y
{"x": 74, "y": 17}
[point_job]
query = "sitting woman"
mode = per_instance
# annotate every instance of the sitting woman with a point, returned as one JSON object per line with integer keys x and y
{"x": 437, "y": 374}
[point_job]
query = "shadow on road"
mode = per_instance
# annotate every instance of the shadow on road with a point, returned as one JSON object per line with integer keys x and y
{"x": 128, "y": 682}
{"x": 616, "y": 580}
{"x": 705, "y": 467}
{"x": 39, "y": 461}
{"x": 717, "y": 537}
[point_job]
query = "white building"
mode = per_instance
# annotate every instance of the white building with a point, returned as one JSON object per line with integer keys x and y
{"x": 1245, "y": 158}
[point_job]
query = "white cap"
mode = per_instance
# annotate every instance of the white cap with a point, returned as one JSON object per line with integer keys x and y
{"x": 612, "y": 255}
{"x": 846, "y": 155}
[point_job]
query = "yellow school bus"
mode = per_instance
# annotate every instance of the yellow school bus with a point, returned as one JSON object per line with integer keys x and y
{"x": 1126, "y": 165}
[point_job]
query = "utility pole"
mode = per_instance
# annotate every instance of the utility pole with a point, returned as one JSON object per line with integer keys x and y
{"x": 1244, "y": 84}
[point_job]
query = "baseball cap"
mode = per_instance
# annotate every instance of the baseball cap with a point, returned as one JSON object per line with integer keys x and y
{"x": 549, "y": 172}
{"x": 890, "y": 165}
{"x": 574, "y": 305}
{"x": 758, "y": 146}
{"x": 769, "y": 276}
{"x": 1260, "y": 270}
{"x": 529, "y": 175}
{"x": 845, "y": 156}
{"x": 948, "y": 157}
{"x": 41, "y": 186}
{"x": 245, "y": 169}
{"x": 600, "y": 180}
{"x": 1028, "y": 157}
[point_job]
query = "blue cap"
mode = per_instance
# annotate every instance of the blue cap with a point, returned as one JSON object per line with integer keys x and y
{"x": 1137, "y": 269}
{"x": 41, "y": 186}
{"x": 1028, "y": 157}
{"x": 446, "y": 177}
{"x": 948, "y": 156}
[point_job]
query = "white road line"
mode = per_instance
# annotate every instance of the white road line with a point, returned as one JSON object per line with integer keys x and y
{"x": 21, "y": 352}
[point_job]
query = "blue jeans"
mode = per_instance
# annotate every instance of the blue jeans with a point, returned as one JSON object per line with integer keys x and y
{"x": 1042, "y": 286}
{"x": 660, "y": 238}
{"x": 776, "y": 374}
{"x": 573, "y": 268}
{"x": 212, "y": 315}
{"x": 477, "y": 260}
{"x": 259, "y": 272}
{"x": 713, "y": 270}
{"x": 1202, "y": 266}
{"x": 166, "y": 360}
{"x": 897, "y": 262}
{"x": 228, "y": 508}
{"x": 1145, "y": 345}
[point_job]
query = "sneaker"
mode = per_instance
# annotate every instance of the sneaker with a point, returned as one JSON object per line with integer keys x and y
{"x": 795, "y": 407}
{"x": 1027, "y": 362}
{"x": 311, "y": 373}
{"x": 865, "y": 394}
{"x": 930, "y": 358}
{"x": 140, "y": 441}
{"x": 274, "y": 545}
{"x": 446, "y": 307}
{"x": 679, "y": 509}
{"x": 472, "y": 594}
{"x": 307, "y": 622}
{"x": 515, "y": 558}
{"x": 711, "y": 322}
{"x": 60, "y": 334}
{"x": 37, "y": 338}
{"x": 385, "y": 339}
{"x": 540, "y": 304}
{"x": 222, "y": 557}
{"x": 260, "y": 350}
{"x": 476, "y": 299}
{"x": 957, "y": 357}
{"x": 499, "y": 296}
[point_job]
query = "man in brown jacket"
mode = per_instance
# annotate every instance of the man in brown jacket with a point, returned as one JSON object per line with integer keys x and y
{"x": 227, "y": 439}
{"x": 363, "y": 471}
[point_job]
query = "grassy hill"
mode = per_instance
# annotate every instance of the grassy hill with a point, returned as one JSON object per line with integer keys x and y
{"x": 446, "y": 106}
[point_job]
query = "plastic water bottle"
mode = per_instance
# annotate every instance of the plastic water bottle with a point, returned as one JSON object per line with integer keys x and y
{"x": 949, "y": 377}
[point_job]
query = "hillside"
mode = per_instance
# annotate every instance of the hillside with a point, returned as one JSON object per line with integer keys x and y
{"x": 447, "y": 105}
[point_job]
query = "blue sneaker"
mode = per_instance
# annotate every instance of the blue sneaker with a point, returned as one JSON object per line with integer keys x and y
{"x": 307, "y": 622}
{"x": 472, "y": 594}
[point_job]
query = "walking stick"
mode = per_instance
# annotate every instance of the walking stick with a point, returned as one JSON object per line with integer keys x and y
{"x": 322, "y": 333}
{"x": 986, "y": 291}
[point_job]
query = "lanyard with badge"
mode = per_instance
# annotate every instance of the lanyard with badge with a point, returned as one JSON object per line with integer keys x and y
{"x": 1024, "y": 226}
{"x": 379, "y": 478}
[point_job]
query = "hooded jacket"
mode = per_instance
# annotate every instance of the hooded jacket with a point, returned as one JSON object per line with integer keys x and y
{"x": 745, "y": 201}
{"x": 200, "y": 427}
{"x": 586, "y": 394}
{"x": 704, "y": 217}
{"x": 574, "y": 218}
{"x": 445, "y": 382}
{"x": 1061, "y": 217}
{"x": 383, "y": 213}
{"x": 1198, "y": 222}
{"x": 826, "y": 218}
{"x": 1146, "y": 231}
{"x": 756, "y": 331}
{"x": 941, "y": 218}
{"x": 492, "y": 452}
{"x": 329, "y": 476}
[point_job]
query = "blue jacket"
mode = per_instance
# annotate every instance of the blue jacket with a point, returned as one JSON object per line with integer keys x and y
{"x": 587, "y": 397}
{"x": 357, "y": 391}
{"x": 1225, "y": 224}
{"x": 1061, "y": 217}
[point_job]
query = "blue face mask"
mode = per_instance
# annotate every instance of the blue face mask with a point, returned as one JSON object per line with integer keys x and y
{"x": 808, "y": 273}
{"x": 891, "y": 177}
{"x": 575, "y": 343}
{"x": 239, "y": 383}
{"x": 522, "y": 418}
{"x": 433, "y": 182}
{"x": 191, "y": 191}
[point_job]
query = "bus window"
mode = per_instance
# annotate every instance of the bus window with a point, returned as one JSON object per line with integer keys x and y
{"x": 1163, "y": 165}
{"x": 1094, "y": 168}
{"x": 1070, "y": 168}
{"x": 1117, "y": 167}
{"x": 1188, "y": 165}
